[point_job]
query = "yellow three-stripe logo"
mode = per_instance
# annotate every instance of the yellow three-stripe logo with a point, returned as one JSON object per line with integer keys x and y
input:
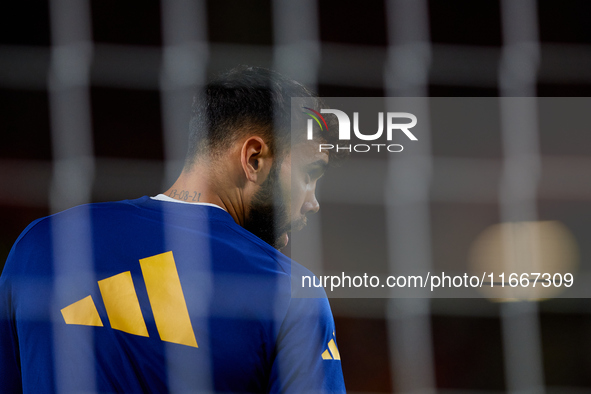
{"x": 123, "y": 308}
{"x": 332, "y": 353}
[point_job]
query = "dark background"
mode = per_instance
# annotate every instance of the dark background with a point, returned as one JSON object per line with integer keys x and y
{"x": 128, "y": 145}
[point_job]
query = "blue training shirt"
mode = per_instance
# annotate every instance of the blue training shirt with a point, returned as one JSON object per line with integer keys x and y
{"x": 154, "y": 296}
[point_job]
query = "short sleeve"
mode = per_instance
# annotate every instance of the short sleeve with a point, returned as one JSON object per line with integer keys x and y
{"x": 307, "y": 359}
{"x": 10, "y": 374}
{"x": 10, "y": 356}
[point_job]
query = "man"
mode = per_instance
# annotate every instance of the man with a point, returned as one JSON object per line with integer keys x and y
{"x": 183, "y": 291}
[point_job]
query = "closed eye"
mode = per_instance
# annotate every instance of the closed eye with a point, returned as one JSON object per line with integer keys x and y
{"x": 316, "y": 170}
{"x": 316, "y": 174}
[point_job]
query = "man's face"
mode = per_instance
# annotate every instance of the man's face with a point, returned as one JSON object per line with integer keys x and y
{"x": 288, "y": 195}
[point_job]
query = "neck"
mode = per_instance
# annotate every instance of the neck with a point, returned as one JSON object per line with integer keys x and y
{"x": 191, "y": 186}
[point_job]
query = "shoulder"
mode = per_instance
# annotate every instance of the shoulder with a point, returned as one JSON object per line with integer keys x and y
{"x": 79, "y": 212}
{"x": 233, "y": 239}
{"x": 36, "y": 241}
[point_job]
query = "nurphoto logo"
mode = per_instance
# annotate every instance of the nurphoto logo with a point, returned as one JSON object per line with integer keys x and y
{"x": 393, "y": 127}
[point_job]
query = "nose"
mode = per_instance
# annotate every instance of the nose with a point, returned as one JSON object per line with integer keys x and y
{"x": 311, "y": 205}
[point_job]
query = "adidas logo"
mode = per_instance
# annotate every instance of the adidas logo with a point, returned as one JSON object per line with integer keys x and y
{"x": 123, "y": 308}
{"x": 332, "y": 353}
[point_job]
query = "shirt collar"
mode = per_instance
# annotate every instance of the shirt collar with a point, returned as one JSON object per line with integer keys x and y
{"x": 164, "y": 197}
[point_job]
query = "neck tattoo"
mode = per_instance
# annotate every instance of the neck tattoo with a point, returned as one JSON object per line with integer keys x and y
{"x": 185, "y": 195}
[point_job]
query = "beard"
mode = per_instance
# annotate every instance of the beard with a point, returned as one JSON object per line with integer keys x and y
{"x": 268, "y": 218}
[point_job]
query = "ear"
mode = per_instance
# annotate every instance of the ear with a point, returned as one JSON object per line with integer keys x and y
{"x": 256, "y": 159}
